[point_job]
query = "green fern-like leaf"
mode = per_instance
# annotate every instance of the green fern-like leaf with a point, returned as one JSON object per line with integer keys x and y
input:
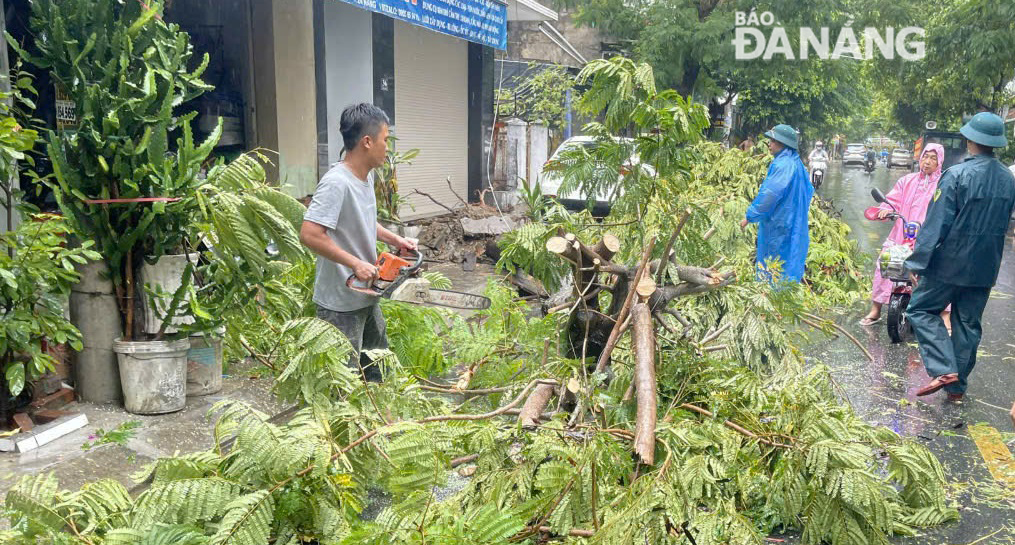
{"x": 247, "y": 520}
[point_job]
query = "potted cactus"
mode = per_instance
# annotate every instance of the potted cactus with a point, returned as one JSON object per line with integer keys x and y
{"x": 127, "y": 177}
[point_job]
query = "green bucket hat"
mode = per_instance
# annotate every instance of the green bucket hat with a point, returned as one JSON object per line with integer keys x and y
{"x": 986, "y": 129}
{"x": 784, "y": 134}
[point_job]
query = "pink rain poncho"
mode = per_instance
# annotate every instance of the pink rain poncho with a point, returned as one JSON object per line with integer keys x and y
{"x": 911, "y": 196}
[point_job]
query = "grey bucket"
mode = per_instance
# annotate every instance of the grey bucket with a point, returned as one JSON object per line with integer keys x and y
{"x": 153, "y": 375}
{"x": 204, "y": 365}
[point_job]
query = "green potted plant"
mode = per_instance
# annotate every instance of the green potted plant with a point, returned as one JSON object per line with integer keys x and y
{"x": 250, "y": 239}
{"x": 115, "y": 175}
{"x": 36, "y": 275}
{"x": 36, "y": 269}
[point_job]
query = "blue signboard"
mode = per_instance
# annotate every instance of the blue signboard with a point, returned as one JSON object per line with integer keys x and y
{"x": 480, "y": 21}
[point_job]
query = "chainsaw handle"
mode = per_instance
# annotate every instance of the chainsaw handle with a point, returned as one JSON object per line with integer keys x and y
{"x": 355, "y": 284}
{"x": 419, "y": 261}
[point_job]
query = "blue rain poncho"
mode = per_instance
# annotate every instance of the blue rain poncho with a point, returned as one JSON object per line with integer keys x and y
{"x": 780, "y": 210}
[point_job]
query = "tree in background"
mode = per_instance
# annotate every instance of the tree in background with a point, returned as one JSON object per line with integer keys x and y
{"x": 970, "y": 59}
{"x": 690, "y": 46}
{"x": 539, "y": 96}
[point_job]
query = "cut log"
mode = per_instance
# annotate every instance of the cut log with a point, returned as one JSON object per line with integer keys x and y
{"x": 607, "y": 247}
{"x": 562, "y": 247}
{"x": 643, "y": 341}
{"x": 527, "y": 284}
{"x": 621, "y": 315}
{"x": 535, "y": 405}
{"x": 646, "y": 287}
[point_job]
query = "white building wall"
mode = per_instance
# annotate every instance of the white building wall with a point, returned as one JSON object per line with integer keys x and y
{"x": 349, "y": 60}
{"x": 431, "y": 111}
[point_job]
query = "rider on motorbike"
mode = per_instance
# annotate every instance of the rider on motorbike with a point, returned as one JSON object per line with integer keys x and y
{"x": 911, "y": 196}
{"x": 870, "y": 159}
{"x": 817, "y": 162}
{"x": 818, "y": 154}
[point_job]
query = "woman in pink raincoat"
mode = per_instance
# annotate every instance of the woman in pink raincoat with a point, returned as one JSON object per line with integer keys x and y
{"x": 911, "y": 196}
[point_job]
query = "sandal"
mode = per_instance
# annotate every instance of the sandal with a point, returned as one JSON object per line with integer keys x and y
{"x": 937, "y": 384}
{"x": 867, "y": 321}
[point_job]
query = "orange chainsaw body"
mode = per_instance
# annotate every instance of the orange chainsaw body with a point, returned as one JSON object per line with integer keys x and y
{"x": 389, "y": 266}
{"x": 398, "y": 279}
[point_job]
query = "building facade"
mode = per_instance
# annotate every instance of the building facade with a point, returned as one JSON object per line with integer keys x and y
{"x": 284, "y": 70}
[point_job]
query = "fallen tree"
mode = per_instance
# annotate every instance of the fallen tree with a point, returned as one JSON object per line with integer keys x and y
{"x": 664, "y": 403}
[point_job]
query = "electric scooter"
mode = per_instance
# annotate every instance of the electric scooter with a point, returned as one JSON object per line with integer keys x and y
{"x": 893, "y": 267}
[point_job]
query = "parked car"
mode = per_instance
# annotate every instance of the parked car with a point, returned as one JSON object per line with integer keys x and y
{"x": 551, "y": 180}
{"x": 954, "y": 144}
{"x": 855, "y": 153}
{"x": 900, "y": 157}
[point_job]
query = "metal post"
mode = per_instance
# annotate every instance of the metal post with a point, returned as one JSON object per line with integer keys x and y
{"x": 567, "y": 114}
{"x": 10, "y": 218}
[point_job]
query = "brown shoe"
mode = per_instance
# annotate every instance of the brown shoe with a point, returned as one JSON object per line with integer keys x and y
{"x": 955, "y": 397}
{"x": 937, "y": 384}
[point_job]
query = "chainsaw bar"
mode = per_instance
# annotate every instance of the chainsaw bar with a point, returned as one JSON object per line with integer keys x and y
{"x": 418, "y": 291}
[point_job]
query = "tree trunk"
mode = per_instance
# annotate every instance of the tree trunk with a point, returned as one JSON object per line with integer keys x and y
{"x": 643, "y": 340}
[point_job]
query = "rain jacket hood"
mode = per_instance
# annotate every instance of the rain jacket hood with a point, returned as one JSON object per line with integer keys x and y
{"x": 781, "y": 212}
{"x": 912, "y": 194}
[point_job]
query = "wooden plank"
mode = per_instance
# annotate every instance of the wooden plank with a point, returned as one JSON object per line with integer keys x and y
{"x": 56, "y": 399}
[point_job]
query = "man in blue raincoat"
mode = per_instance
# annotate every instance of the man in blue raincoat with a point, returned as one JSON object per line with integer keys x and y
{"x": 957, "y": 256}
{"x": 781, "y": 210}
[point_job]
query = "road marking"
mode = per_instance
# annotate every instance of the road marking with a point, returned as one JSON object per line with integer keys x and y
{"x": 999, "y": 459}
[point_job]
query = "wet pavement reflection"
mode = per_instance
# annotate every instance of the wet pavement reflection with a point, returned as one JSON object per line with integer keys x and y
{"x": 883, "y": 391}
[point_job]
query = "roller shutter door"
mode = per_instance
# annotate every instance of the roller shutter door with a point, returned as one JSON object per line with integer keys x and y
{"x": 431, "y": 114}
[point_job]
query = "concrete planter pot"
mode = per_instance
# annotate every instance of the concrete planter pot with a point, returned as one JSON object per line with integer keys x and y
{"x": 153, "y": 375}
{"x": 204, "y": 365}
{"x": 167, "y": 274}
{"x": 94, "y": 311}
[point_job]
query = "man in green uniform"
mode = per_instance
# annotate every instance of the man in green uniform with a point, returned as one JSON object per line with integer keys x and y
{"x": 957, "y": 256}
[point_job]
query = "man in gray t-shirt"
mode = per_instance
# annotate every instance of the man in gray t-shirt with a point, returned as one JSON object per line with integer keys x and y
{"x": 341, "y": 227}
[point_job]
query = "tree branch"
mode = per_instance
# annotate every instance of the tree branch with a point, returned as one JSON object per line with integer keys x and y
{"x": 734, "y": 426}
{"x": 615, "y": 333}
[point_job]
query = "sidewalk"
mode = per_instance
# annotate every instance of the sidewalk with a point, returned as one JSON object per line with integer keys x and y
{"x": 189, "y": 430}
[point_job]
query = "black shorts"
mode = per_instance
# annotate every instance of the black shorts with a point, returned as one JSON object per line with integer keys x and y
{"x": 366, "y": 330}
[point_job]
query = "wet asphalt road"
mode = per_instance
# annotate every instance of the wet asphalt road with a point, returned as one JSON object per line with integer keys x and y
{"x": 883, "y": 392}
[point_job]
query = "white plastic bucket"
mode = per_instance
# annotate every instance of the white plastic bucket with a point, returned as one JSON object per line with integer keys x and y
{"x": 204, "y": 365}
{"x": 153, "y": 375}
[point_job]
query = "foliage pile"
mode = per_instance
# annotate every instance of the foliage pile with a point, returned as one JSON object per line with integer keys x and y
{"x": 746, "y": 440}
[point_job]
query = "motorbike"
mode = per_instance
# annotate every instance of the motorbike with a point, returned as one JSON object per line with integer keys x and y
{"x": 893, "y": 267}
{"x": 868, "y": 165}
{"x": 818, "y": 169}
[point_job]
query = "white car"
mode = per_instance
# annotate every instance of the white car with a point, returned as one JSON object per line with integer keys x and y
{"x": 901, "y": 158}
{"x": 854, "y": 153}
{"x": 551, "y": 180}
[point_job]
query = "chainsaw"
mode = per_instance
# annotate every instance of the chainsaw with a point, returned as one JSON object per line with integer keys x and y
{"x": 400, "y": 279}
